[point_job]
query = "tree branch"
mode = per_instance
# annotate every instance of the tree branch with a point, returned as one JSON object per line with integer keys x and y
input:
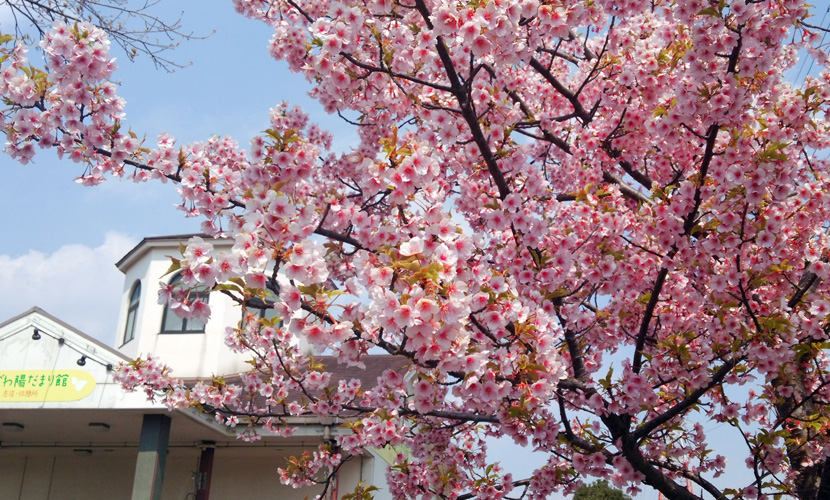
{"x": 692, "y": 399}
{"x": 648, "y": 314}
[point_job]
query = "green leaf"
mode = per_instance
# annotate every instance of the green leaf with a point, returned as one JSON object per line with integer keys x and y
{"x": 388, "y": 56}
{"x": 773, "y": 152}
{"x": 516, "y": 412}
{"x": 432, "y": 270}
{"x": 538, "y": 257}
{"x": 709, "y": 11}
{"x": 175, "y": 265}
{"x": 238, "y": 281}
{"x": 309, "y": 289}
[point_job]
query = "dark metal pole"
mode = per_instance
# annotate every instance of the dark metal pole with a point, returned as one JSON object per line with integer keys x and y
{"x": 152, "y": 456}
{"x": 205, "y": 471}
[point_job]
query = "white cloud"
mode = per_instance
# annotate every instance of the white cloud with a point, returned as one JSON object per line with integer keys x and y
{"x": 77, "y": 284}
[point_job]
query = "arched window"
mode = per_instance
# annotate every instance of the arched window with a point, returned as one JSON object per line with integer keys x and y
{"x": 170, "y": 323}
{"x": 132, "y": 312}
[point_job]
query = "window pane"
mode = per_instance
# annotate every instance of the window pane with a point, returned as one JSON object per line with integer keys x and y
{"x": 172, "y": 323}
{"x": 194, "y": 325}
{"x": 132, "y": 312}
{"x": 129, "y": 332}
{"x": 136, "y": 295}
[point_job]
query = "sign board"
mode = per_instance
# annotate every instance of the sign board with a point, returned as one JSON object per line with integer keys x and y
{"x": 45, "y": 385}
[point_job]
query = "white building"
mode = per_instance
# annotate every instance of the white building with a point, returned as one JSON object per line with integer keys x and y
{"x": 69, "y": 431}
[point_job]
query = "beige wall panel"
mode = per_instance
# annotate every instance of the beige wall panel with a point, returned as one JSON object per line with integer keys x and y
{"x": 179, "y": 481}
{"x": 37, "y": 478}
{"x": 252, "y": 479}
{"x": 97, "y": 477}
{"x": 11, "y": 476}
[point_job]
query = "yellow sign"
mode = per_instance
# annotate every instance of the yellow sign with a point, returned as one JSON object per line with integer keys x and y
{"x": 45, "y": 385}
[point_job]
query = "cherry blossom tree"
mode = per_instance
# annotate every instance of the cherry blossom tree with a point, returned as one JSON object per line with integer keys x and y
{"x": 133, "y": 25}
{"x": 593, "y": 227}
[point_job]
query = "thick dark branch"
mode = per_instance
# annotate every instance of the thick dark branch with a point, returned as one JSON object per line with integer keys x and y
{"x": 300, "y": 10}
{"x": 628, "y": 168}
{"x": 653, "y": 477}
{"x": 648, "y": 314}
{"x": 736, "y": 53}
{"x": 572, "y": 438}
{"x": 708, "y": 154}
{"x": 559, "y": 87}
{"x": 458, "y": 90}
{"x": 376, "y": 69}
{"x": 690, "y": 400}
{"x": 625, "y": 189}
{"x": 451, "y": 415}
{"x": 574, "y": 384}
{"x": 575, "y": 353}
{"x": 824, "y": 486}
{"x": 711, "y": 137}
{"x": 697, "y": 478}
{"x": 688, "y": 224}
{"x": 804, "y": 285}
{"x": 333, "y": 235}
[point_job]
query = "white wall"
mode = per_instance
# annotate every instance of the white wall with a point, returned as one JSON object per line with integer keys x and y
{"x": 18, "y": 351}
{"x": 188, "y": 354}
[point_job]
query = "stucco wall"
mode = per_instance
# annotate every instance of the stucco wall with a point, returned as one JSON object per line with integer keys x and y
{"x": 188, "y": 354}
